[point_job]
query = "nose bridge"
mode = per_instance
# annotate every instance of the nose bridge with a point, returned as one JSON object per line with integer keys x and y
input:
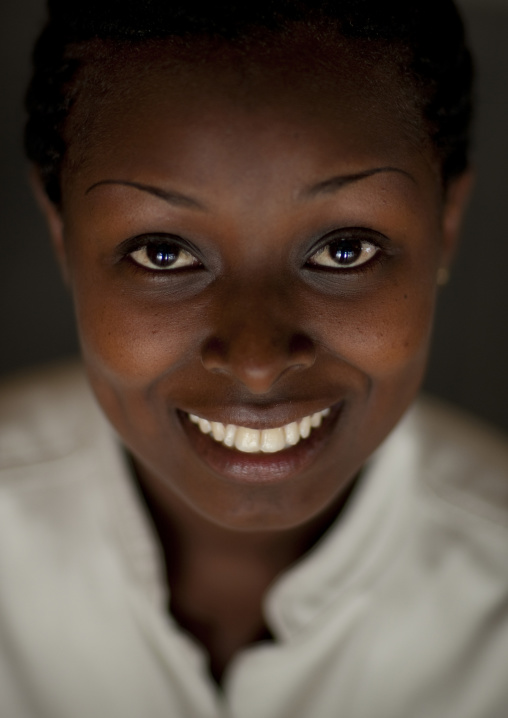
{"x": 256, "y": 338}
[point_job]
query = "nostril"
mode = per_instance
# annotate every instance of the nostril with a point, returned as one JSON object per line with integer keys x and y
{"x": 302, "y": 351}
{"x": 258, "y": 363}
{"x": 214, "y": 354}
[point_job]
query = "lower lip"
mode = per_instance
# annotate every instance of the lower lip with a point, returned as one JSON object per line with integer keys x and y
{"x": 260, "y": 468}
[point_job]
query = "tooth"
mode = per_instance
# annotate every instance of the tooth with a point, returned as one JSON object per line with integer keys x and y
{"x": 229, "y": 436}
{"x": 247, "y": 439}
{"x": 272, "y": 440}
{"x": 292, "y": 434}
{"x": 315, "y": 419}
{"x": 205, "y": 426}
{"x": 305, "y": 427}
{"x": 268, "y": 440}
{"x": 218, "y": 430}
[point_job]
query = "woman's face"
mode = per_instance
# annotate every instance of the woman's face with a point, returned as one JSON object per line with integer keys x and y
{"x": 253, "y": 248}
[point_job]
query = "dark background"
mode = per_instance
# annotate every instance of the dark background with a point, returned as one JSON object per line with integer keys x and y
{"x": 469, "y": 363}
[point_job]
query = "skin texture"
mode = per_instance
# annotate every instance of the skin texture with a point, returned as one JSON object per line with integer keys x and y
{"x": 239, "y": 169}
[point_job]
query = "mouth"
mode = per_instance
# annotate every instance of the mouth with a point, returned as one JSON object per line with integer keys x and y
{"x": 249, "y": 455}
{"x": 268, "y": 441}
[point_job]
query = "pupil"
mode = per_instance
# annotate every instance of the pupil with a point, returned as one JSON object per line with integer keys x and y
{"x": 162, "y": 255}
{"x": 345, "y": 251}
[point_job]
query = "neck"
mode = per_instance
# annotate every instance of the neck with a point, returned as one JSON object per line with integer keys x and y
{"x": 217, "y": 576}
{"x": 187, "y": 533}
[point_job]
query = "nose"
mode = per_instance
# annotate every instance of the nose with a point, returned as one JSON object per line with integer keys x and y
{"x": 257, "y": 351}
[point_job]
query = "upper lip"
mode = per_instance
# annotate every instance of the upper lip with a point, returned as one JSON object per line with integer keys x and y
{"x": 270, "y": 417}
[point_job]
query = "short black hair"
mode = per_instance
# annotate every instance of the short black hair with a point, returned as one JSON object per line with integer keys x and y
{"x": 429, "y": 34}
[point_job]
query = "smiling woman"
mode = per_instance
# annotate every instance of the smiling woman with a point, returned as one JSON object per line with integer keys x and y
{"x": 253, "y": 209}
{"x": 251, "y": 195}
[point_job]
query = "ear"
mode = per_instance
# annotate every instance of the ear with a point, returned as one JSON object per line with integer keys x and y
{"x": 54, "y": 221}
{"x": 456, "y": 200}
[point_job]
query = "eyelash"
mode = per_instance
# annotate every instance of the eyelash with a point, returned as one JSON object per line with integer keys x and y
{"x": 358, "y": 246}
{"x": 374, "y": 246}
{"x": 379, "y": 244}
{"x": 137, "y": 244}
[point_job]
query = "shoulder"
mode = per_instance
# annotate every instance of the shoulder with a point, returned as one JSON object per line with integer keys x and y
{"x": 45, "y": 415}
{"x": 462, "y": 461}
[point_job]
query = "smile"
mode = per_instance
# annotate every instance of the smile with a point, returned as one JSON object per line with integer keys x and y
{"x": 267, "y": 441}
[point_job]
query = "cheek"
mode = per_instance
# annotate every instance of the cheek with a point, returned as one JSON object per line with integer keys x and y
{"x": 382, "y": 333}
{"x": 133, "y": 339}
{"x": 129, "y": 347}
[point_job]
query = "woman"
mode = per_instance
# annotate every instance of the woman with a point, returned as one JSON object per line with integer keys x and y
{"x": 253, "y": 209}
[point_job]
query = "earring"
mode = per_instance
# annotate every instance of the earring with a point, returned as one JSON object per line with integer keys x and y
{"x": 443, "y": 276}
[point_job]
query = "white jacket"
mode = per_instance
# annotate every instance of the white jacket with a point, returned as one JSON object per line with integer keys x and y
{"x": 400, "y": 611}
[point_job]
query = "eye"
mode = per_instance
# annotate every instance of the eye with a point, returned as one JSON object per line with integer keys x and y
{"x": 344, "y": 253}
{"x": 163, "y": 254}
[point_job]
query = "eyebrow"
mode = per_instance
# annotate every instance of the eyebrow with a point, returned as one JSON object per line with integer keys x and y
{"x": 170, "y": 196}
{"x": 334, "y": 183}
{"x": 329, "y": 185}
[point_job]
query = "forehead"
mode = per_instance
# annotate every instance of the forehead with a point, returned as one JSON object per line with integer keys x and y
{"x": 172, "y": 100}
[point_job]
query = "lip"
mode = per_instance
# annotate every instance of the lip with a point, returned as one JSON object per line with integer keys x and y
{"x": 259, "y": 468}
{"x": 268, "y": 417}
